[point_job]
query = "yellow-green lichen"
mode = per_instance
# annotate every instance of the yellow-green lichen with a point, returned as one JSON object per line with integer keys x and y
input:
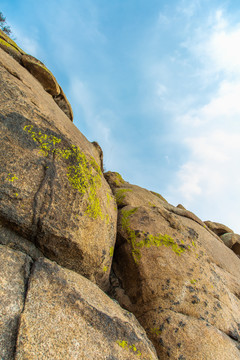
{"x": 105, "y": 268}
{"x": 124, "y": 344}
{"x": 111, "y": 251}
{"x": 5, "y": 43}
{"x": 193, "y": 281}
{"x": 6, "y": 38}
{"x": 83, "y": 174}
{"x": 118, "y": 180}
{"x": 120, "y": 195}
{"x": 156, "y": 331}
{"x": 148, "y": 239}
{"x": 11, "y": 177}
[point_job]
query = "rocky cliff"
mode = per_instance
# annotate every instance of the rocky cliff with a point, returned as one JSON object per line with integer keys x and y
{"x": 93, "y": 267}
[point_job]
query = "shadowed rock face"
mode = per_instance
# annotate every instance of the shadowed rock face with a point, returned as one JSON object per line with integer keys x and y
{"x": 52, "y": 189}
{"x": 180, "y": 281}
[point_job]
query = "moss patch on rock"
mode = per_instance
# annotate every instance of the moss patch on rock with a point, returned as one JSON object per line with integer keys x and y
{"x": 120, "y": 195}
{"x": 83, "y": 174}
{"x": 148, "y": 240}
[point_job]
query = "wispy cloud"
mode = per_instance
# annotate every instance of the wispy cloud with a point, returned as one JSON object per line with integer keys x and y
{"x": 211, "y": 130}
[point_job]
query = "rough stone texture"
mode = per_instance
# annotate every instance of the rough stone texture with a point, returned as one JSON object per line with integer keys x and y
{"x": 236, "y": 249}
{"x": 62, "y": 101}
{"x": 52, "y": 191}
{"x": 14, "y": 271}
{"x": 42, "y": 74}
{"x": 9, "y": 46}
{"x": 39, "y": 71}
{"x": 230, "y": 239}
{"x": 217, "y": 228}
{"x": 14, "y": 241}
{"x": 181, "y": 281}
{"x": 68, "y": 317}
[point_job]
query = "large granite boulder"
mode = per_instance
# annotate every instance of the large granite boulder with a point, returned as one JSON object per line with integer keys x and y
{"x": 42, "y": 74}
{"x": 52, "y": 190}
{"x": 217, "y": 228}
{"x": 39, "y": 71}
{"x": 230, "y": 239}
{"x": 67, "y": 317}
{"x": 177, "y": 277}
{"x": 48, "y": 312}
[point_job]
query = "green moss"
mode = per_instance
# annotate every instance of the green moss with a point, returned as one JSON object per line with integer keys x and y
{"x": 120, "y": 195}
{"x": 148, "y": 239}
{"x": 83, "y": 174}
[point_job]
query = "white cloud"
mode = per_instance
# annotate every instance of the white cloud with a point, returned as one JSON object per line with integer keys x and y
{"x": 209, "y": 179}
{"x": 216, "y": 44}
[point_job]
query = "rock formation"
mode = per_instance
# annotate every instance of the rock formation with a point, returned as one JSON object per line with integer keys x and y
{"x": 175, "y": 275}
{"x": 39, "y": 71}
{"x": 93, "y": 267}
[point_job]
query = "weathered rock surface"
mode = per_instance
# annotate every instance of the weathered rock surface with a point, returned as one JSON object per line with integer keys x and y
{"x": 230, "y": 239}
{"x": 62, "y": 101}
{"x": 67, "y": 317}
{"x": 42, "y": 74}
{"x": 14, "y": 241}
{"x": 10, "y": 47}
{"x": 217, "y": 228}
{"x": 52, "y": 191}
{"x": 14, "y": 271}
{"x": 39, "y": 71}
{"x": 180, "y": 281}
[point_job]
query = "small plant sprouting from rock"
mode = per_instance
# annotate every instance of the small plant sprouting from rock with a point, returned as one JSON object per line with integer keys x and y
{"x": 83, "y": 174}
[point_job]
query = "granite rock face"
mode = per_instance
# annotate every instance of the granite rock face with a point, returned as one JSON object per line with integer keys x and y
{"x": 180, "y": 281}
{"x": 68, "y": 232}
{"x": 68, "y": 317}
{"x": 52, "y": 190}
{"x": 39, "y": 71}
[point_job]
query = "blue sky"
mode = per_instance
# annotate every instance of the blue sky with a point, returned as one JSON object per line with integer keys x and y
{"x": 156, "y": 83}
